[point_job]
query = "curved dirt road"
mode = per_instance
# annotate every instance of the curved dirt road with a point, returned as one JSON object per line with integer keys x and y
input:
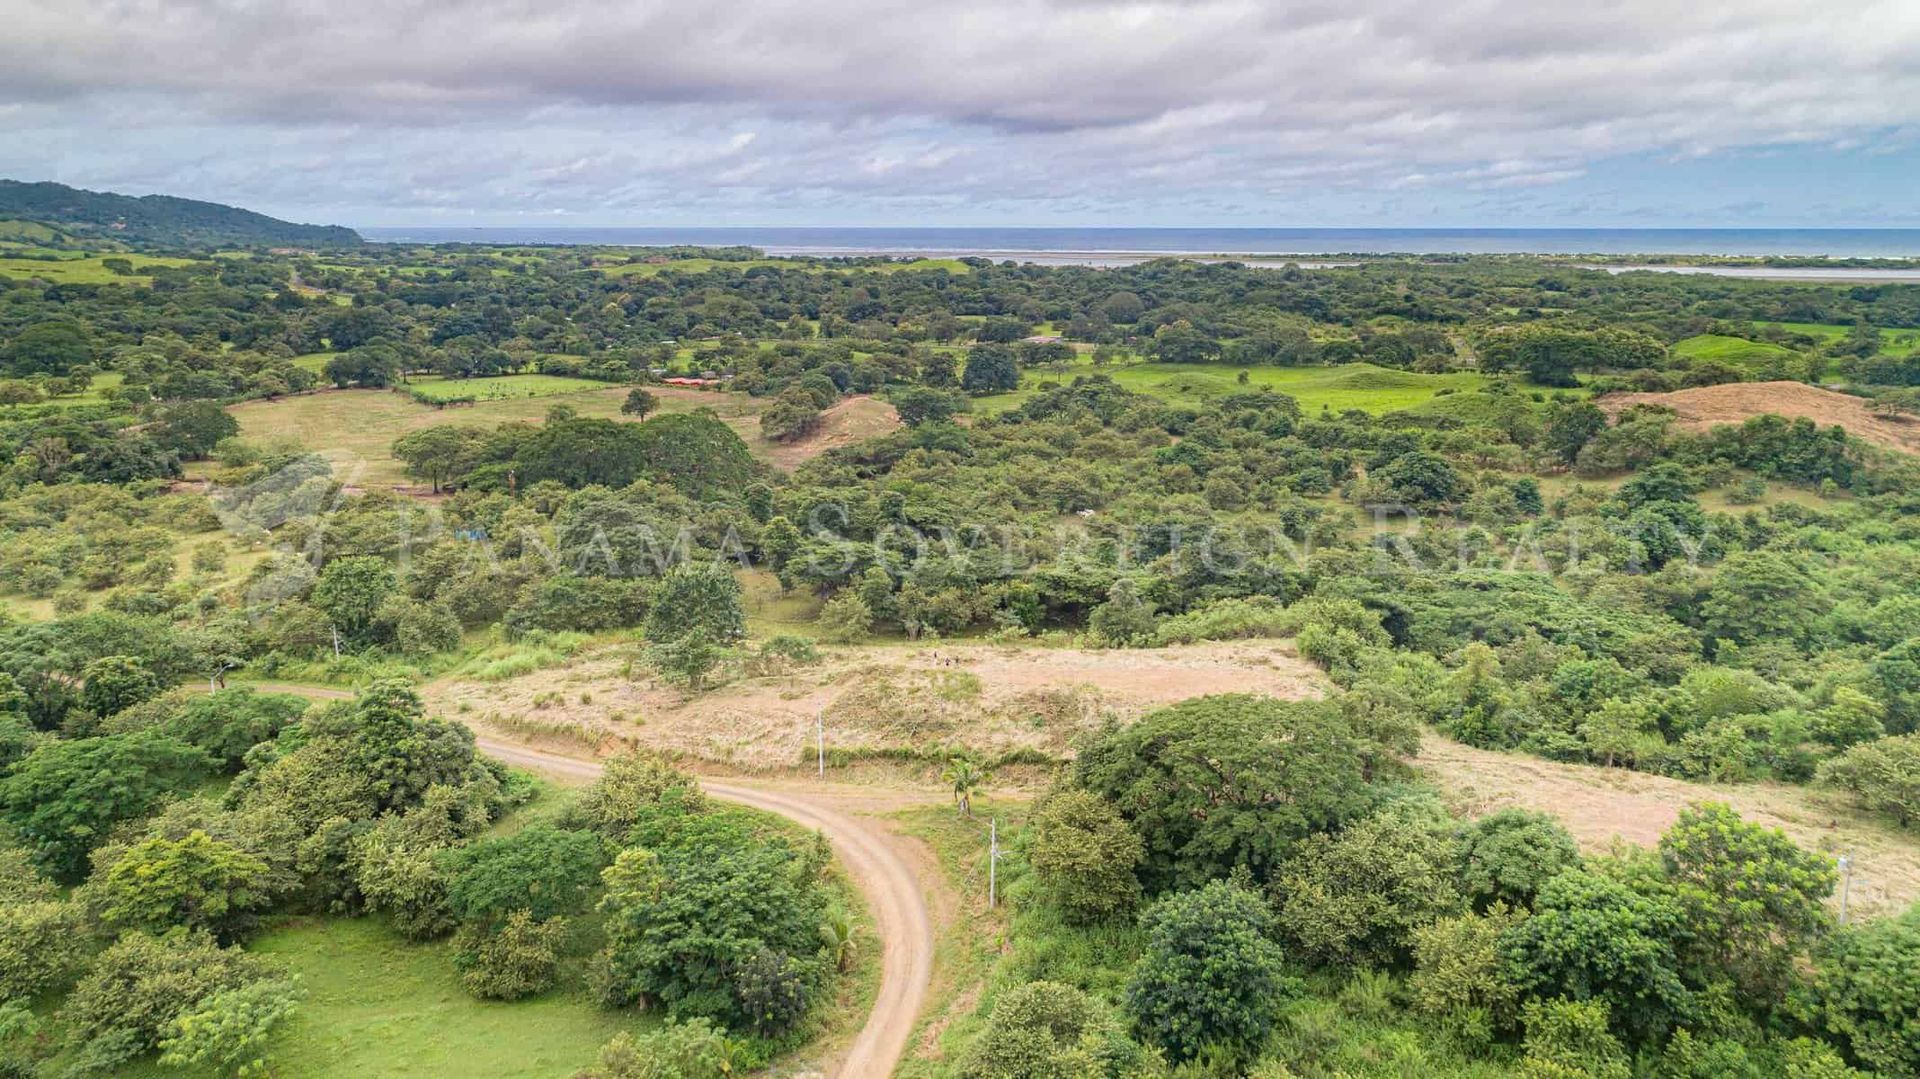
{"x": 892, "y": 892}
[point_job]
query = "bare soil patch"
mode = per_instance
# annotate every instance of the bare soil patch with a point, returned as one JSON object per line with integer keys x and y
{"x": 880, "y": 701}
{"x": 1602, "y": 806}
{"x": 851, "y": 420}
{"x": 1736, "y": 402}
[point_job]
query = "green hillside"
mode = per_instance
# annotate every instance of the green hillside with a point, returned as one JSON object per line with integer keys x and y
{"x": 159, "y": 219}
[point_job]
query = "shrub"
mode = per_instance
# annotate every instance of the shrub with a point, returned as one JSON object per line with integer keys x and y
{"x": 1049, "y": 1029}
{"x": 230, "y": 1029}
{"x": 1507, "y": 856}
{"x": 141, "y": 984}
{"x": 42, "y": 942}
{"x": 1458, "y": 970}
{"x": 695, "y": 1049}
{"x": 1083, "y": 856}
{"x": 515, "y": 961}
{"x": 630, "y": 788}
{"x": 1569, "y": 1039}
{"x": 1226, "y": 620}
{"x": 1883, "y": 776}
{"x": 846, "y": 619}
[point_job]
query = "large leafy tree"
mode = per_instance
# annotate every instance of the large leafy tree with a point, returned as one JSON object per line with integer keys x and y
{"x": 1210, "y": 977}
{"x": 1355, "y": 897}
{"x": 351, "y": 591}
{"x": 1507, "y": 856}
{"x": 195, "y": 881}
{"x": 694, "y": 923}
{"x": 66, "y": 795}
{"x": 1752, "y": 899}
{"x": 1865, "y": 992}
{"x": 1235, "y": 780}
{"x": 1594, "y": 937}
{"x": 703, "y": 597}
{"x": 543, "y": 870}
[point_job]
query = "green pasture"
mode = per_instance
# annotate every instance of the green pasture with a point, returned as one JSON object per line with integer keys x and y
{"x": 500, "y": 387}
{"x": 1362, "y": 386}
{"x": 87, "y": 270}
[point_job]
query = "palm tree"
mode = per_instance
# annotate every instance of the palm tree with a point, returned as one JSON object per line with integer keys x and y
{"x": 841, "y": 944}
{"x": 967, "y": 776}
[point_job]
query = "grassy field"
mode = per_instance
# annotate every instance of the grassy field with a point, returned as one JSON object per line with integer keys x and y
{"x": 378, "y": 1005}
{"x": 1354, "y": 385}
{"x": 106, "y": 380}
{"x": 1892, "y": 342}
{"x": 312, "y": 361}
{"x": 89, "y": 270}
{"x": 356, "y": 428}
{"x": 501, "y": 387}
{"x": 1737, "y": 351}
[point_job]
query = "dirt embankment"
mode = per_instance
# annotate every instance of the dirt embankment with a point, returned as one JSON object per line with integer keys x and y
{"x": 874, "y": 700}
{"x": 1736, "y": 402}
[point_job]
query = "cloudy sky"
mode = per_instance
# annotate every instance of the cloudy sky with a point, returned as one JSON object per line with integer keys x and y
{"x": 1035, "y": 112}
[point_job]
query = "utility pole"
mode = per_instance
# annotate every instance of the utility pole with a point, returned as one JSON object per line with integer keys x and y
{"x": 993, "y": 862}
{"x": 1846, "y": 884}
{"x": 820, "y": 739}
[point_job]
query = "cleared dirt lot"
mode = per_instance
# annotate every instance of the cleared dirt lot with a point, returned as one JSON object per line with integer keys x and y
{"x": 898, "y": 699}
{"x": 1735, "y": 402}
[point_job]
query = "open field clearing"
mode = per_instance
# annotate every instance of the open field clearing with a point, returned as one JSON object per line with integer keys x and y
{"x": 1599, "y": 805}
{"x": 1737, "y": 351}
{"x": 1892, "y": 342}
{"x": 907, "y": 702}
{"x": 1736, "y": 402}
{"x": 87, "y": 270}
{"x": 501, "y": 387}
{"x": 845, "y": 422}
{"x": 1355, "y": 385}
{"x": 357, "y": 428}
{"x": 378, "y": 1004}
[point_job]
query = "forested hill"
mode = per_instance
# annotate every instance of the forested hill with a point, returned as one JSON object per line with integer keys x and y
{"x": 161, "y": 219}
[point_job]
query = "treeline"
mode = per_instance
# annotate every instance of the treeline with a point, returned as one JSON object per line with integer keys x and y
{"x": 1243, "y": 886}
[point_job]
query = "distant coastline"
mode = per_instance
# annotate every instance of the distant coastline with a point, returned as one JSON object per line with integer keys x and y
{"x": 1120, "y": 246}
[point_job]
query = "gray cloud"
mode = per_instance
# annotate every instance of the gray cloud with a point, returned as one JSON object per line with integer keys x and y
{"x": 558, "y": 105}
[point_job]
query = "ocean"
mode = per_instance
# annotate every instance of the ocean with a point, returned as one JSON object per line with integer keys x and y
{"x": 1116, "y": 246}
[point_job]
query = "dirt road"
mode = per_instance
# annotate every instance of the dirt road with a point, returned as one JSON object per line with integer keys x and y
{"x": 892, "y": 893}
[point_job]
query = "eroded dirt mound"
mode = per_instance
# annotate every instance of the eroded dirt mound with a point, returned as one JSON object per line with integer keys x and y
{"x": 1735, "y": 402}
{"x": 988, "y": 698}
{"x": 848, "y": 421}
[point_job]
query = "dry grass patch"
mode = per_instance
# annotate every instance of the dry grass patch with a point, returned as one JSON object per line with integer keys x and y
{"x": 1736, "y": 402}
{"x": 1023, "y": 702}
{"x": 1601, "y": 806}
